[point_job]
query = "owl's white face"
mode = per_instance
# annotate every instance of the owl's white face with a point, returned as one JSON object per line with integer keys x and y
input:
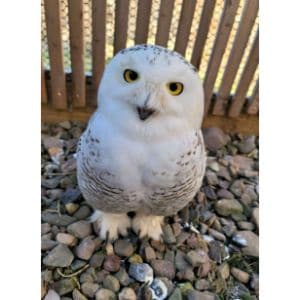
{"x": 151, "y": 90}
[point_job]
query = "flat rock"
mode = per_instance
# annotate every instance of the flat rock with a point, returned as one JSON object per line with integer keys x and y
{"x": 227, "y": 207}
{"x": 141, "y": 272}
{"x": 110, "y": 282}
{"x": 176, "y": 295}
{"x": 168, "y": 235}
{"x": 197, "y": 257}
{"x": 97, "y": 260}
{"x": 60, "y": 256}
{"x": 105, "y": 294}
{"x": 123, "y": 248}
{"x": 55, "y": 219}
{"x": 67, "y": 239}
{"x": 112, "y": 263}
{"x": 240, "y": 275}
{"x": 127, "y": 294}
{"x": 78, "y": 296}
{"x": 80, "y": 229}
{"x": 123, "y": 277}
{"x": 86, "y": 248}
{"x": 90, "y": 288}
{"x": 214, "y": 138}
{"x": 202, "y": 284}
{"x": 149, "y": 253}
{"x": 64, "y": 286}
{"x": 163, "y": 268}
{"x": 52, "y": 295}
{"x": 247, "y": 145}
{"x": 249, "y": 242}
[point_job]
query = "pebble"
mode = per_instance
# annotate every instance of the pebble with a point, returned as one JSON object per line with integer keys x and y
{"x": 80, "y": 229}
{"x": 255, "y": 216}
{"x": 214, "y": 138}
{"x": 112, "y": 263}
{"x": 45, "y": 228}
{"x": 82, "y": 213}
{"x": 187, "y": 274}
{"x": 67, "y": 239}
{"x": 123, "y": 248}
{"x": 127, "y": 294}
{"x": 65, "y": 124}
{"x": 64, "y": 286}
{"x": 224, "y": 270}
{"x": 204, "y": 269}
{"x": 247, "y": 145}
{"x": 123, "y": 277}
{"x": 71, "y": 208}
{"x": 97, "y": 260}
{"x": 168, "y": 235}
{"x": 243, "y": 225}
{"x": 105, "y": 294}
{"x": 197, "y": 257}
{"x": 195, "y": 295}
{"x": 237, "y": 187}
{"x": 47, "y": 244}
{"x": 141, "y": 272}
{"x": 202, "y": 284}
{"x": 216, "y": 250}
{"x": 149, "y": 253}
{"x": 135, "y": 259}
{"x": 163, "y": 268}
{"x": 176, "y": 229}
{"x": 185, "y": 287}
{"x": 158, "y": 289}
{"x": 86, "y": 248}
{"x": 78, "y": 296}
{"x": 70, "y": 194}
{"x": 180, "y": 262}
{"x": 240, "y": 275}
{"x": 211, "y": 178}
{"x": 224, "y": 194}
{"x": 111, "y": 283}
{"x": 249, "y": 242}
{"x": 89, "y": 289}
{"x": 55, "y": 219}
{"x": 227, "y": 207}
{"x": 60, "y": 256}
{"x": 217, "y": 235}
{"x": 176, "y": 295}
{"x": 254, "y": 283}
{"x": 52, "y": 295}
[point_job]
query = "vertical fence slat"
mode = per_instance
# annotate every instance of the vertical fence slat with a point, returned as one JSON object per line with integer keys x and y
{"x": 121, "y": 23}
{"x": 225, "y": 26}
{"x": 58, "y": 80}
{"x": 43, "y": 86}
{"x": 240, "y": 96}
{"x": 184, "y": 26}
{"x": 142, "y": 21}
{"x": 253, "y": 106}
{"x": 77, "y": 52}
{"x": 98, "y": 44}
{"x": 205, "y": 19}
{"x": 241, "y": 39}
{"x": 164, "y": 22}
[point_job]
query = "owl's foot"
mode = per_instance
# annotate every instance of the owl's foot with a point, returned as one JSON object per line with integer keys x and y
{"x": 148, "y": 225}
{"x": 111, "y": 225}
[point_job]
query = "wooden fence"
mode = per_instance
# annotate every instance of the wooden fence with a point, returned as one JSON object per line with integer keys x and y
{"x": 231, "y": 72}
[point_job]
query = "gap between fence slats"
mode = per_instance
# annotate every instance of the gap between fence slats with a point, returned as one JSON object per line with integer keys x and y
{"x": 240, "y": 42}
{"x": 205, "y": 19}
{"x": 253, "y": 105}
{"x": 121, "y": 24}
{"x": 142, "y": 21}
{"x": 98, "y": 44}
{"x": 184, "y": 26}
{"x": 225, "y": 26}
{"x": 58, "y": 80}
{"x": 43, "y": 86}
{"x": 239, "y": 98}
{"x": 77, "y": 52}
{"x": 164, "y": 22}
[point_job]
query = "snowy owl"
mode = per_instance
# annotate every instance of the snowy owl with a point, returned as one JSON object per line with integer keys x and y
{"x": 143, "y": 149}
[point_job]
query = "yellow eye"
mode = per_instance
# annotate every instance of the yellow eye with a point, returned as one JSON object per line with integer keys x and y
{"x": 130, "y": 76}
{"x": 175, "y": 88}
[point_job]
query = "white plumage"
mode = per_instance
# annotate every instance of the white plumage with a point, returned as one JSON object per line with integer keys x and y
{"x": 143, "y": 150}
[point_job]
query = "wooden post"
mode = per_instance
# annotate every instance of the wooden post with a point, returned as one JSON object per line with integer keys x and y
{"x": 253, "y": 106}
{"x": 121, "y": 24}
{"x": 142, "y": 21}
{"x": 77, "y": 52}
{"x": 44, "y": 97}
{"x": 58, "y": 80}
{"x": 98, "y": 46}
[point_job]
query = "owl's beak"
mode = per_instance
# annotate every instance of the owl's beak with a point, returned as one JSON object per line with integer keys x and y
{"x": 144, "y": 112}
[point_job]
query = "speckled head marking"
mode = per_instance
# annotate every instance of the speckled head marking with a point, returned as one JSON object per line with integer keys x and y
{"x": 157, "y": 51}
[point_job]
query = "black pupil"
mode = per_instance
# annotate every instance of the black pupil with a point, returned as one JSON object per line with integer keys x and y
{"x": 133, "y": 75}
{"x": 173, "y": 86}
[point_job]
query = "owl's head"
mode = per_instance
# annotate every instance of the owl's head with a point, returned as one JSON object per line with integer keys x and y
{"x": 152, "y": 90}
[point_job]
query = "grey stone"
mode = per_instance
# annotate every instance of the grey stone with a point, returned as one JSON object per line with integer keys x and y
{"x": 127, "y": 294}
{"x": 249, "y": 242}
{"x": 227, "y": 207}
{"x": 64, "y": 286}
{"x": 240, "y": 275}
{"x": 112, "y": 263}
{"x": 217, "y": 235}
{"x": 65, "y": 238}
{"x": 105, "y": 294}
{"x": 149, "y": 253}
{"x": 163, "y": 268}
{"x": 89, "y": 288}
{"x": 214, "y": 138}
{"x": 55, "y": 219}
{"x": 47, "y": 244}
{"x": 195, "y": 295}
{"x": 52, "y": 295}
{"x": 82, "y": 213}
{"x": 60, "y": 256}
{"x": 141, "y": 272}
{"x": 78, "y": 296}
{"x": 176, "y": 295}
{"x": 202, "y": 284}
{"x": 224, "y": 194}
{"x": 80, "y": 229}
{"x": 111, "y": 283}
{"x": 187, "y": 274}
{"x": 237, "y": 187}
{"x": 197, "y": 257}
{"x": 255, "y": 216}
{"x": 123, "y": 248}
{"x": 168, "y": 235}
{"x": 123, "y": 277}
{"x": 86, "y": 248}
{"x": 243, "y": 225}
{"x": 247, "y": 145}
{"x": 97, "y": 260}
{"x": 211, "y": 178}
{"x": 45, "y": 228}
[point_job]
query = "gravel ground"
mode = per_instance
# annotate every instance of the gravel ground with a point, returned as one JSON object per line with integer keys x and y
{"x": 209, "y": 249}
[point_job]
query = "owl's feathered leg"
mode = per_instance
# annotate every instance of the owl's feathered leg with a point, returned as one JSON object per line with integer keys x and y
{"x": 148, "y": 225}
{"x": 111, "y": 224}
